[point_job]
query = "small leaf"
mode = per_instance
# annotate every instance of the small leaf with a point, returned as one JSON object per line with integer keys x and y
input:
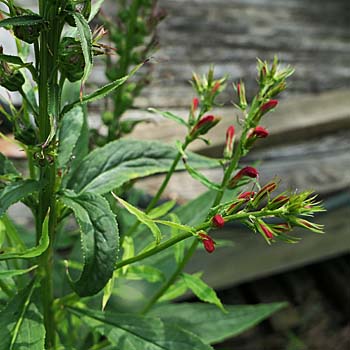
{"x": 31, "y": 252}
{"x": 212, "y": 325}
{"x": 111, "y": 166}
{"x": 202, "y": 178}
{"x": 100, "y": 240}
{"x": 85, "y": 37}
{"x": 103, "y": 91}
{"x": 161, "y": 210}
{"x": 176, "y": 225}
{"x": 129, "y": 331}
{"x": 142, "y": 217}
{"x": 202, "y": 290}
{"x": 21, "y": 324}
{"x": 14, "y": 273}
{"x": 16, "y": 191}
{"x": 25, "y": 20}
{"x": 169, "y": 115}
{"x": 71, "y": 126}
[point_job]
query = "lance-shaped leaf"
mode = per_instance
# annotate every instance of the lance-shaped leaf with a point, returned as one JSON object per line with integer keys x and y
{"x": 16, "y": 191}
{"x": 128, "y": 331}
{"x": 142, "y": 217}
{"x": 100, "y": 241}
{"x": 109, "y": 167}
{"x": 70, "y": 129}
{"x": 202, "y": 290}
{"x": 170, "y": 116}
{"x": 161, "y": 210}
{"x": 30, "y": 252}
{"x": 25, "y": 20}
{"x": 21, "y": 324}
{"x": 210, "y": 323}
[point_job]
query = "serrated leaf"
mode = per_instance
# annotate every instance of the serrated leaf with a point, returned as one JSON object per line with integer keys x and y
{"x": 101, "y": 92}
{"x": 85, "y": 37}
{"x": 25, "y": 20}
{"x": 161, "y": 210}
{"x": 16, "y": 191}
{"x": 202, "y": 178}
{"x": 202, "y": 291}
{"x": 169, "y": 115}
{"x": 129, "y": 331}
{"x": 144, "y": 272}
{"x": 14, "y": 273}
{"x": 100, "y": 241}
{"x": 111, "y": 166}
{"x": 21, "y": 324}
{"x": 31, "y": 252}
{"x": 210, "y": 323}
{"x": 70, "y": 129}
{"x": 142, "y": 217}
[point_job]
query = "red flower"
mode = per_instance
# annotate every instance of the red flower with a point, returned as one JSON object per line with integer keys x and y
{"x": 208, "y": 242}
{"x": 230, "y": 138}
{"x": 195, "y": 104}
{"x": 218, "y": 221}
{"x": 267, "y": 106}
{"x": 204, "y": 125}
{"x": 247, "y": 171}
{"x": 259, "y": 132}
{"x": 246, "y": 195}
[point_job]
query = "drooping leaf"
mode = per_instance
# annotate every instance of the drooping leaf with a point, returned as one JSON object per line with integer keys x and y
{"x": 70, "y": 129}
{"x": 101, "y": 92}
{"x": 109, "y": 167}
{"x": 129, "y": 331}
{"x": 14, "y": 273}
{"x": 170, "y": 116}
{"x": 210, "y": 323}
{"x": 85, "y": 37}
{"x": 142, "y": 217}
{"x": 202, "y": 291}
{"x": 161, "y": 210}
{"x": 100, "y": 240}
{"x": 16, "y": 191}
{"x": 25, "y": 20}
{"x": 21, "y": 324}
{"x": 30, "y": 252}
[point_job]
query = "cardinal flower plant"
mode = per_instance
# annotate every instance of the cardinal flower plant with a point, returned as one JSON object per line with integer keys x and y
{"x": 59, "y": 283}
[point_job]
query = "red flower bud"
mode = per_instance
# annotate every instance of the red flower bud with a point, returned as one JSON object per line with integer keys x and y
{"x": 216, "y": 87}
{"x": 218, "y": 221}
{"x": 246, "y": 195}
{"x": 195, "y": 104}
{"x": 278, "y": 202}
{"x": 208, "y": 242}
{"x": 264, "y": 229}
{"x": 268, "y": 188}
{"x": 267, "y": 106}
{"x": 282, "y": 228}
{"x": 204, "y": 125}
{"x": 247, "y": 171}
{"x": 230, "y": 138}
{"x": 258, "y": 132}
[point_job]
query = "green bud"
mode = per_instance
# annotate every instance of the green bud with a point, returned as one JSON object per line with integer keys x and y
{"x": 107, "y": 117}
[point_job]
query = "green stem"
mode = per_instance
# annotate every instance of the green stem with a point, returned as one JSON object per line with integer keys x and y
{"x": 172, "y": 279}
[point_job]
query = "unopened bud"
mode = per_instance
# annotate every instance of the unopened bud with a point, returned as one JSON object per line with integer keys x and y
{"x": 216, "y": 87}
{"x": 267, "y": 106}
{"x": 308, "y": 225}
{"x": 248, "y": 171}
{"x": 265, "y": 190}
{"x": 240, "y": 88}
{"x": 218, "y": 221}
{"x": 207, "y": 241}
{"x": 230, "y": 139}
{"x": 254, "y": 134}
{"x": 278, "y": 202}
{"x": 204, "y": 125}
{"x": 264, "y": 229}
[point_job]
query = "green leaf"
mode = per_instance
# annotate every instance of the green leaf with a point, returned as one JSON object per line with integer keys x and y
{"x": 12, "y": 233}
{"x": 202, "y": 178}
{"x": 70, "y": 129}
{"x": 210, "y": 323}
{"x": 111, "y": 166}
{"x": 13, "y": 273}
{"x": 95, "y": 8}
{"x": 19, "y": 62}
{"x": 144, "y": 272}
{"x": 129, "y": 331}
{"x": 31, "y": 252}
{"x": 16, "y": 191}
{"x": 85, "y": 37}
{"x": 202, "y": 290}
{"x": 161, "y": 210}
{"x": 179, "y": 248}
{"x": 103, "y": 91}
{"x": 7, "y": 167}
{"x": 100, "y": 240}
{"x": 175, "y": 225}
{"x": 21, "y": 324}
{"x": 25, "y": 20}
{"x": 169, "y": 115}
{"x": 142, "y": 217}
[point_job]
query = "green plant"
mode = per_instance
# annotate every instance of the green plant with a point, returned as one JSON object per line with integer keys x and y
{"x": 43, "y": 305}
